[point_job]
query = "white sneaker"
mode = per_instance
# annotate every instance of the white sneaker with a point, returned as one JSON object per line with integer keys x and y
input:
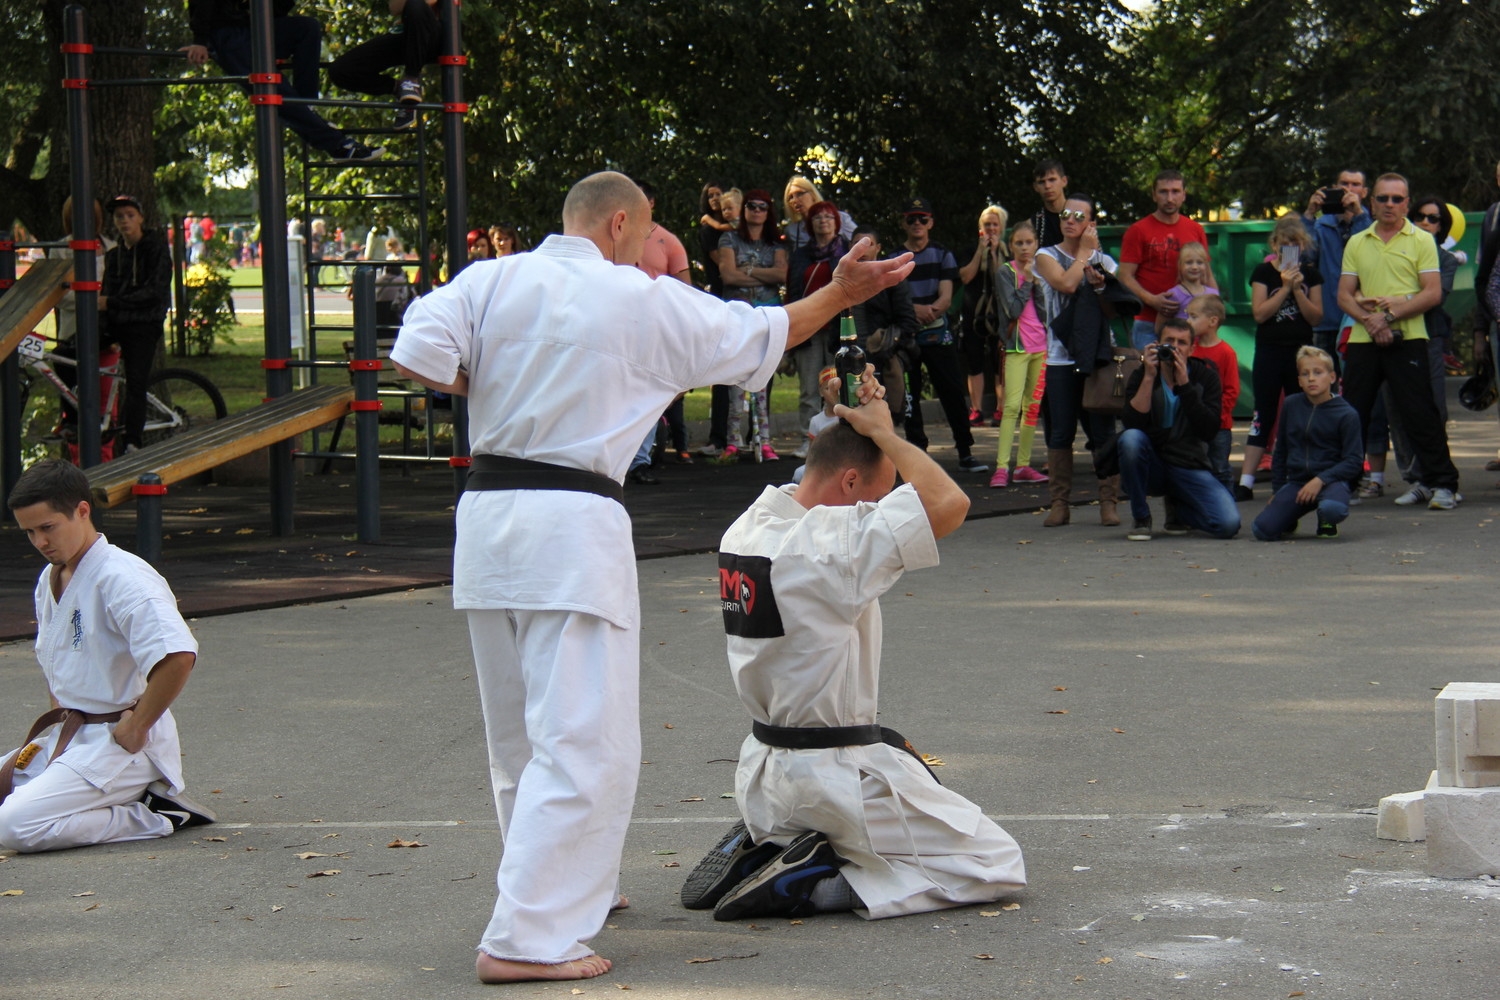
{"x": 710, "y": 451}
{"x": 1418, "y": 494}
{"x": 1442, "y": 499}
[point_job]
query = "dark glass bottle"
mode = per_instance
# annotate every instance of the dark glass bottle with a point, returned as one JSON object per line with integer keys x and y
{"x": 849, "y": 362}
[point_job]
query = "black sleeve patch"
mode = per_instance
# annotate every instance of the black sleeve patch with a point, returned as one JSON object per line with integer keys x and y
{"x": 746, "y": 597}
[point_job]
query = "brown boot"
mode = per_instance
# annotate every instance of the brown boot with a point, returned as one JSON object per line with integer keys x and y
{"x": 1109, "y": 495}
{"x": 1059, "y": 486}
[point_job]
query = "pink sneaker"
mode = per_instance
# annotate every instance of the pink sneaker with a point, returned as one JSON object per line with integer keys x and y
{"x": 1000, "y": 478}
{"x": 768, "y": 454}
{"x": 1026, "y": 474}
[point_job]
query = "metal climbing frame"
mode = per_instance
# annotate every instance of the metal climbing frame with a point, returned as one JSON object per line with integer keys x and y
{"x": 270, "y": 161}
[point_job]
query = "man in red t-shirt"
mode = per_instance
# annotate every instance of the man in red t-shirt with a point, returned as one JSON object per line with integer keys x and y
{"x": 1148, "y": 254}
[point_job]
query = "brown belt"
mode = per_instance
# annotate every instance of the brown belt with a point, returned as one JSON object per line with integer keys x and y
{"x": 71, "y": 719}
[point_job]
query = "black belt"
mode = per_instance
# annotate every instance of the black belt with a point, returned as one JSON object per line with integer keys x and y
{"x": 831, "y": 737}
{"x": 500, "y": 472}
{"x": 816, "y": 737}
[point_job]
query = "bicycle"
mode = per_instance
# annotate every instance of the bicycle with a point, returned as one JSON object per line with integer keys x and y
{"x": 177, "y": 399}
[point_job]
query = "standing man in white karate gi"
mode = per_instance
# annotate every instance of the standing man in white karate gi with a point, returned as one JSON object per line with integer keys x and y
{"x": 838, "y": 813}
{"x": 104, "y": 764}
{"x": 567, "y": 360}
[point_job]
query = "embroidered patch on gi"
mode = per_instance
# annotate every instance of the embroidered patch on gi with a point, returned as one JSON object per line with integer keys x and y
{"x": 745, "y": 595}
{"x": 77, "y": 622}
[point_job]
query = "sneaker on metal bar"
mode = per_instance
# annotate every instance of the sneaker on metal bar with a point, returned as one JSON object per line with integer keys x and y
{"x": 406, "y": 117}
{"x": 733, "y": 859}
{"x": 354, "y": 151}
{"x": 409, "y": 90}
{"x": 1443, "y": 499}
{"x": 1418, "y": 494}
{"x": 783, "y": 888}
{"x": 180, "y": 809}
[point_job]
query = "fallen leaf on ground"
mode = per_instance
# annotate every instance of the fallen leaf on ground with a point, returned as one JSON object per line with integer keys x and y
{"x": 1142, "y": 954}
{"x": 1082, "y": 868}
{"x": 1138, "y": 918}
{"x": 1010, "y": 906}
{"x": 668, "y": 725}
{"x": 720, "y": 958}
{"x": 80, "y": 895}
{"x": 795, "y": 923}
{"x": 326, "y": 872}
{"x": 245, "y": 531}
{"x": 989, "y": 913}
{"x": 693, "y": 798}
{"x": 1103, "y": 960}
{"x": 1057, "y": 711}
{"x": 13, "y": 892}
{"x": 198, "y": 510}
{"x": 672, "y": 864}
{"x": 577, "y": 991}
{"x": 277, "y": 909}
{"x": 216, "y": 840}
{"x": 93, "y": 906}
{"x": 621, "y": 986}
{"x": 985, "y": 958}
{"x": 663, "y": 852}
{"x": 308, "y": 855}
{"x": 1060, "y": 688}
{"x": 1119, "y": 730}
{"x": 933, "y": 761}
{"x": 398, "y": 842}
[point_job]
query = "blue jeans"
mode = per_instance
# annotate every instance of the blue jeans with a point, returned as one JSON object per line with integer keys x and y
{"x": 1202, "y": 501}
{"x": 1284, "y": 511}
{"x": 1142, "y": 334}
{"x": 301, "y": 40}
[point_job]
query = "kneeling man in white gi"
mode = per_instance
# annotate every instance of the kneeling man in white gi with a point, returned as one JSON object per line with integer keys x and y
{"x": 839, "y": 814}
{"x": 104, "y": 764}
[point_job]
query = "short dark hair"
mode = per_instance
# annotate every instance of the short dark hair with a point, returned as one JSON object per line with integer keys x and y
{"x": 1166, "y": 175}
{"x": 647, "y": 188}
{"x": 1180, "y": 325}
{"x": 1445, "y": 217}
{"x": 841, "y": 447}
{"x": 1363, "y": 176}
{"x": 865, "y": 229}
{"x": 1045, "y": 167}
{"x": 58, "y": 484}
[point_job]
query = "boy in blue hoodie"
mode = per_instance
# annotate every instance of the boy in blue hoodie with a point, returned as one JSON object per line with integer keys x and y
{"x": 1319, "y": 449}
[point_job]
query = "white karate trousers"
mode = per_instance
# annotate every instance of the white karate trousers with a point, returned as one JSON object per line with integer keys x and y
{"x": 58, "y": 808}
{"x": 561, "y": 698}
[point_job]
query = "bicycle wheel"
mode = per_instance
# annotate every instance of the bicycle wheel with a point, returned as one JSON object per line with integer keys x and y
{"x": 178, "y": 400}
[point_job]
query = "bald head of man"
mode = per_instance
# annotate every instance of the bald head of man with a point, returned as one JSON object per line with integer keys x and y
{"x": 609, "y": 210}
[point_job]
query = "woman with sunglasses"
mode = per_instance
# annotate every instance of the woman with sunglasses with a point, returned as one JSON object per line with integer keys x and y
{"x": 752, "y": 263}
{"x": 801, "y": 195}
{"x": 1070, "y": 268}
{"x": 811, "y": 268}
{"x": 1431, "y": 214}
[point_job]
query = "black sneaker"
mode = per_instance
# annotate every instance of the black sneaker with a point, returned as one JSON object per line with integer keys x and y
{"x": 1171, "y": 523}
{"x": 180, "y": 809}
{"x": 733, "y": 859}
{"x": 1243, "y": 493}
{"x": 1327, "y": 529}
{"x": 1140, "y": 530}
{"x": 406, "y": 117}
{"x": 969, "y": 463}
{"x": 357, "y": 152}
{"x": 783, "y": 888}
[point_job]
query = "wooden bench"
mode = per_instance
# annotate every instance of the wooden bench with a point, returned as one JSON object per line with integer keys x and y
{"x": 199, "y": 450}
{"x": 31, "y": 298}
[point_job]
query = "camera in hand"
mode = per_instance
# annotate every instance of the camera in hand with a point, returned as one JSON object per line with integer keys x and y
{"x": 1166, "y": 354}
{"x": 1333, "y": 201}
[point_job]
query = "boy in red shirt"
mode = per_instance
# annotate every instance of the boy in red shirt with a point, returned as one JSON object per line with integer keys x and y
{"x": 1205, "y": 313}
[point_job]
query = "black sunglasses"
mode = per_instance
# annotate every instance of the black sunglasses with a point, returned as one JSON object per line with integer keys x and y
{"x": 1428, "y": 217}
{"x": 758, "y": 206}
{"x": 921, "y": 220}
{"x": 1390, "y": 199}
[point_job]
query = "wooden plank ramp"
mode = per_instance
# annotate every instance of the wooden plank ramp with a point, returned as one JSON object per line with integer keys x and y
{"x": 31, "y": 298}
{"x": 199, "y": 450}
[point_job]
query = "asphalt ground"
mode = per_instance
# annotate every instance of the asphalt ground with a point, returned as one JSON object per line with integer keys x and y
{"x": 1187, "y": 737}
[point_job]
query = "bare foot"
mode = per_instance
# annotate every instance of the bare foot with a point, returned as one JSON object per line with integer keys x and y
{"x": 622, "y": 902}
{"x": 499, "y": 970}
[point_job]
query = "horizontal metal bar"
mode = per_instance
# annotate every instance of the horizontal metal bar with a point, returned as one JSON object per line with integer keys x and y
{"x": 170, "y": 81}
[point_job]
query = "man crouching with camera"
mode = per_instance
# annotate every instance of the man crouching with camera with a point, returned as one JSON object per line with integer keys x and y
{"x": 1172, "y": 417}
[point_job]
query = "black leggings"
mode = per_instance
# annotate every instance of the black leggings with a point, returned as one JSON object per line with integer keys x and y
{"x": 1273, "y": 373}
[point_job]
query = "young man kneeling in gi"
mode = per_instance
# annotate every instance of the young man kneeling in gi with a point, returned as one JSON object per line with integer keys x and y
{"x": 104, "y": 764}
{"x": 837, "y": 813}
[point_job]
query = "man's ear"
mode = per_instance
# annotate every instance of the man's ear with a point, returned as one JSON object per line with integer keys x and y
{"x": 849, "y": 482}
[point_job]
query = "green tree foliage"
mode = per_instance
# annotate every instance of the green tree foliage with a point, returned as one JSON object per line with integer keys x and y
{"x": 1264, "y": 100}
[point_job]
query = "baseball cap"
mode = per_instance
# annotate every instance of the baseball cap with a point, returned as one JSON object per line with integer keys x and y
{"x": 123, "y": 199}
{"x": 918, "y": 206}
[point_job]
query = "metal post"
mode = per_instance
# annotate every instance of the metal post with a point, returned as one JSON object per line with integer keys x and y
{"x": 85, "y": 267}
{"x": 10, "y": 377}
{"x": 455, "y": 201}
{"x": 148, "y": 491}
{"x": 179, "y": 289}
{"x": 365, "y": 369}
{"x": 271, "y": 187}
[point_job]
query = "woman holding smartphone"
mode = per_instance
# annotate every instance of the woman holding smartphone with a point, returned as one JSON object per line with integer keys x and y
{"x": 1286, "y": 304}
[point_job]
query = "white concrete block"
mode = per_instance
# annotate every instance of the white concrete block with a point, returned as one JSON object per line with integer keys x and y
{"x": 1401, "y": 818}
{"x": 1467, "y": 718}
{"x": 1463, "y": 831}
